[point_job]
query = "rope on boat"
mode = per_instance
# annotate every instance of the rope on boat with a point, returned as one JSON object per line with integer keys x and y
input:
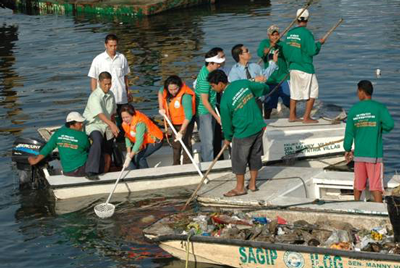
{"x": 187, "y": 248}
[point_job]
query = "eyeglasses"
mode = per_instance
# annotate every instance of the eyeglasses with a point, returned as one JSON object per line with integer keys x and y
{"x": 245, "y": 51}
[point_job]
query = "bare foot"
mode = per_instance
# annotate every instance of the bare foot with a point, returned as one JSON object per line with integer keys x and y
{"x": 294, "y": 120}
{"x": 310, "y": 121}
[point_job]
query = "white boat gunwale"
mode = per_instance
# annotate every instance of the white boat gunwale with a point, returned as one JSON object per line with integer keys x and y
{"x": 137, "y": 177}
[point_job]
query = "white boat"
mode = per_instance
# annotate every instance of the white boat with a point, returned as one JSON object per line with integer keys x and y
{"x": 280, "y": 139}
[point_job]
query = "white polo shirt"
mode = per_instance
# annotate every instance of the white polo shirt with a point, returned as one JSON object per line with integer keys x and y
{"x": 118, "y": 68}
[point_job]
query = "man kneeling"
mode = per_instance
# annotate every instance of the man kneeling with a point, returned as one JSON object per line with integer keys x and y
{"x": 72, "y": 144}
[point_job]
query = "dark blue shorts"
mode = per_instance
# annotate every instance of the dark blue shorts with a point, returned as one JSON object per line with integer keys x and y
{"x": 283, "y": 92}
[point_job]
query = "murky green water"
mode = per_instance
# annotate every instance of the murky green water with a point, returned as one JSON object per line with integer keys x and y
{"x": 44, "y": 61}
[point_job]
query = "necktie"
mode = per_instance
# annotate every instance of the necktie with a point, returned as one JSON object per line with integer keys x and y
{"x": 248, "y": 75}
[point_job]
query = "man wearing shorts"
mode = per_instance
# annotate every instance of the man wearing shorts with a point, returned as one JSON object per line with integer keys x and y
{"x": 366, "y": 122}
{"x": 299, "y": 51}
{"x": 243, "y": 125}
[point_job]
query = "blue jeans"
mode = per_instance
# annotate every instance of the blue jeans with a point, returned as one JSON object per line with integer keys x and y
{"x": 206, "y": 124}
{"x": 283, "y": 92}
{"x": 139, "y": 161}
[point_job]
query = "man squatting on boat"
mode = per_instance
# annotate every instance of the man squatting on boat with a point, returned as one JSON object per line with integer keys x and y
{"x": 366, "y": 122}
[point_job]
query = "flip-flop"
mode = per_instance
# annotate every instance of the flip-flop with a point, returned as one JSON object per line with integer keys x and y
{"x": 255, "y": 190}
{"x": 232, "y": 193}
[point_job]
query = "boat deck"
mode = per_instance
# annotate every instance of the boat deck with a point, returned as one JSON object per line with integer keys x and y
{"x": 295, "y": 188}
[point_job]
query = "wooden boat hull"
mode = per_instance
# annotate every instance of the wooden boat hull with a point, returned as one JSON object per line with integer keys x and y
{"x": 250, "y": 253}
{"x": 237, "y": 253}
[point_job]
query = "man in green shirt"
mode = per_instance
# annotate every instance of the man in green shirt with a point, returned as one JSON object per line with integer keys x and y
{"x": 99, "y": 114}
{"x": 72, "y": 144}
{"x": 243, "y": 125}
{"x": 266, "y": 51}
{"x": 205, "y": 105}
{"x": 366, "y": 122}
{"x": 299, "y": 51}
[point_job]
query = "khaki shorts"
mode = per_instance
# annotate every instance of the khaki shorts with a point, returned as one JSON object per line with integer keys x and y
{"x": 303, "y": 86}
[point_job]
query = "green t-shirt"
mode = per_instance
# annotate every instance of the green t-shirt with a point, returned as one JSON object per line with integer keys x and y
{"x": 279, "y": 74}
{"x": 186, "y": 103}
{"x": 300, "y": 49}
{"x": 366, "y": 122}
{"x": 241, "y": 117}
{"x": 203, "y": 87}
{"x": 72, "y": 145}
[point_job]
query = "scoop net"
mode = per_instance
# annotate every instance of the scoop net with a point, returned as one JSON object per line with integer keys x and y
{"x": 104, "y": 210}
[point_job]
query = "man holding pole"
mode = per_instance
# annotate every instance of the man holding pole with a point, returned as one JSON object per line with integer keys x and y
{"x": 243, "y": 125}
{"x": 299, "y": 50}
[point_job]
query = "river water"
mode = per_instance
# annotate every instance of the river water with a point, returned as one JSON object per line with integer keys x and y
{"x": 44, "y": 60}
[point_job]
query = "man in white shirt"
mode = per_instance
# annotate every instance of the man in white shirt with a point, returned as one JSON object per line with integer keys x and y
{"x": 116, "y": 64}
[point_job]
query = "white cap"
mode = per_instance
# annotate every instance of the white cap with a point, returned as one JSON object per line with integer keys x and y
{"x": 304, "y": 15}
{"x": 216, "y": 59}
{"x": 75, "y": 116}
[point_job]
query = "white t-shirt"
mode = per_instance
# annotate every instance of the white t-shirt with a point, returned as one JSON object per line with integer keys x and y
{"x": 118, "y": 68}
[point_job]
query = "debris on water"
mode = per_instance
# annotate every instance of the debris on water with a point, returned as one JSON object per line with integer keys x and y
{"x": 148, "y": 219}
{"x": 331, "y": 234}
{"x": 378, "y": 72}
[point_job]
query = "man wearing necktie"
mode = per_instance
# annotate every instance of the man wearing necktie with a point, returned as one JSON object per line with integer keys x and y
{"x": 244, "y": 69}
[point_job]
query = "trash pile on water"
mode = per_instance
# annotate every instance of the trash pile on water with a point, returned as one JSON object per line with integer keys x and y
{"x": 332, "y": 234}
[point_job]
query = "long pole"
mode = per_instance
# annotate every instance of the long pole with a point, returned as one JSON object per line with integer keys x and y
{"x": 205, "y": 176}
{"x": 184, "y": 146}
{"x": 331, "y": 30}
{"x": 288, "y": 27}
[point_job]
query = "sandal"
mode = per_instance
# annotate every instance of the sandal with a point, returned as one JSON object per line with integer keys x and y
{"x": 233, "y": 192}
{"x": 255, "y": 190}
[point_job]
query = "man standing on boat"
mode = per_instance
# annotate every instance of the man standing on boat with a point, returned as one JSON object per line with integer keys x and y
{"x": 72, "y": 144}
{"x": 299, "y": 51}
{"x": 243, "y": 69}
{"x": 205, "y": 105}
{"x": 116, "y": 64}
{"x": 366, "y": 122}
{"x": 99, "y": 113}
{"x": 266, "y": 51}
{"x": 243, "y": 125}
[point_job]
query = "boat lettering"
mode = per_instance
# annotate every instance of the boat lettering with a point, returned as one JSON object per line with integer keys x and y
{"x": 380, "y": 265}
{"x": 327, "y": 261}
{"x": 257, "y": 255}
{"x": 290, "y": 148}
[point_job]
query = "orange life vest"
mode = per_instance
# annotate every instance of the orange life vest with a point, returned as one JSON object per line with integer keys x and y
{"x": 175, "y": 109}
{"x": 152, "y": 135}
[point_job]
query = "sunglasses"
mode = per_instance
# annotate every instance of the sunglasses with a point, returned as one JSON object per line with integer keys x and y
{"x": 245, "y": 51}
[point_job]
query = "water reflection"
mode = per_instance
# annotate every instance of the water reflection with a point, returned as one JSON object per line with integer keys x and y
{"x": 9, "y": 80}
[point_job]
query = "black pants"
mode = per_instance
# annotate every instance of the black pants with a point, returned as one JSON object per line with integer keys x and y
{"x": 177, "y": 147}
{"x": 100, "y": 145}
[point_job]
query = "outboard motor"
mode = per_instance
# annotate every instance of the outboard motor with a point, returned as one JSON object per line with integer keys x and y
{"x": 28, "y": 175}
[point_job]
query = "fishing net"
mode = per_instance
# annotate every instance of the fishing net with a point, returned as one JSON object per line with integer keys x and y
{"x": 104, "y": 210}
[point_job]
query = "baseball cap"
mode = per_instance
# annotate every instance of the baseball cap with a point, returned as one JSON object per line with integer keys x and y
{"x": 304, "y": 16}
{"x": 216, "y": 59}
{"x": 75, "y": 116}
{"x": 273, "y": 28}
